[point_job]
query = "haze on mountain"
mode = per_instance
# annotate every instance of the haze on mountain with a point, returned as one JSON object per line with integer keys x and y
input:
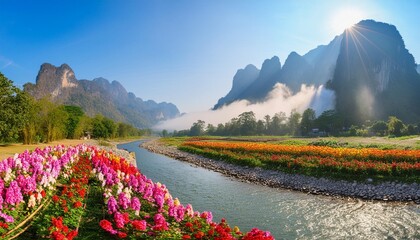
{"x": 366, "y": 73}
{"x": 98, "y": 96}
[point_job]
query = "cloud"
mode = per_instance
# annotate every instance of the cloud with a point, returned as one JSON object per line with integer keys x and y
{"x": 280, "y": 99}
{"x": 5, "y": 62}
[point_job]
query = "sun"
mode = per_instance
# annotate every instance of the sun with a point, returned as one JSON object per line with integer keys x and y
{"x": 344, "y": 19}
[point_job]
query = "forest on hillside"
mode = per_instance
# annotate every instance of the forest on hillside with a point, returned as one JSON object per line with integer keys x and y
{"x": 24, "y": 119}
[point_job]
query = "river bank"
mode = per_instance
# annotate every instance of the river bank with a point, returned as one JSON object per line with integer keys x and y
{"x": 386, "y": 191}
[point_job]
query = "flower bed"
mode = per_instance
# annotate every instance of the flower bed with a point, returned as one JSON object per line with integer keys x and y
{"x": 46, "y": 190}
{"x": 313, "y": 159}
{"x": 27, "y": 180}
{"x": 141, "y": 209}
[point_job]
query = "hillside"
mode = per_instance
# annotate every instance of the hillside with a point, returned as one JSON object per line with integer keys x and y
{"x": 369, "y": 68}
{"x": 98, "y": 96}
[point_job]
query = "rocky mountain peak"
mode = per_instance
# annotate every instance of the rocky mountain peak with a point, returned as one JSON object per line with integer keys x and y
{"x": 98, "y": 96}
{"x": 375, "y": 74}
{"x": 270, "y": 67}
{"x": 51, "y": 80}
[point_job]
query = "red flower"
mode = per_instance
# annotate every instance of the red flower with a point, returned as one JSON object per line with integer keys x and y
{"x": 140, "y": 225}
{"x": 82, "y": 193}
{"x": 122, "y": 234}
{"x": 199, "y": 235}
{"x": 107, "y": 226}
{"x": 55, "y": 198}
{"x": 56, "y": 235}
{"x": 77, "y": 204}
{"x": 71, "y": 235}
{"x": 186, "y": 237}
{"x": 43, "y": 193}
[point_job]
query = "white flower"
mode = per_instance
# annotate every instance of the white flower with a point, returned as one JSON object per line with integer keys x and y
{"x": 32, "y": 201}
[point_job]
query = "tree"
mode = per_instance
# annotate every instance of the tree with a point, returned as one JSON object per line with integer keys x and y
{"x": 267, "y": 122}
{"x": 293, "y": 123}
{"x": 110, "y": 126}
{"x": 307, "y": 122}
{"x": 329, "y": 121}
{"x": 260, "y": 129}
{"x": 197, "y": 129}
{"x": 210, "y": 129}
{"x": 99, "y": 130}
{"x": 220, "y": 130}
{"x": 55, "y": 123}
{"x": 75, "y": 113}
{"x": 379, "y": 128}
{"x": 277, "y": 126}
{"x": 84, "y": 126}
{"x": 164, "y": 133}
{"x": 395, "y": 126}
{"x": 248, "y": 123}
{"x": 14, "y": 109}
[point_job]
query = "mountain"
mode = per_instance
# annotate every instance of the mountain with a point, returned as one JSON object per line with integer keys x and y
{"x": 267, "y": 77}
{"x": 98, "y": 96}
{"x": 314, "y": 68}
{"x": 375, "y": 75}
{"x": 241, "y": 81}
{"x": 369, "y": 68}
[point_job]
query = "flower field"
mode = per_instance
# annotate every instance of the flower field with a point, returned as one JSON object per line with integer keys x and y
{"x": 43, "y": 194}
{"x": 314, "y": 160}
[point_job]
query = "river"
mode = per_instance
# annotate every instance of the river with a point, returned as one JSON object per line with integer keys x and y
{"x": 286, "y": 214}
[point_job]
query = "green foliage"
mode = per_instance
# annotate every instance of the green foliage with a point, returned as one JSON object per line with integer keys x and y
{"x": 328, "y": 143}
{"x": 293, "y": 123}
{"x": 379, "y": 128}
{"x": 248, "y": 123}
{"x": 14, "y": 110}
{"x": 308, "y": 120}
{"x": 75, "y": 113}
{"x": 197, "y": 129}
{"x": 395, "y": 126}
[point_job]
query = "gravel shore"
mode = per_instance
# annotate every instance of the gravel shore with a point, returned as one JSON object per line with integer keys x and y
{"x": 386, "y": 191}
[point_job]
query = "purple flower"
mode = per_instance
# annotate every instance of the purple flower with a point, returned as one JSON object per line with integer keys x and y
{"x": 112, "y": 205}
{"x": 14, "y": 194}
{"x": 135, "y": 204}
{"x": 123, "y": 201}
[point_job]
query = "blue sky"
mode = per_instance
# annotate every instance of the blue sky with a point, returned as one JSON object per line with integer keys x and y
{"x": 185, "y": 52}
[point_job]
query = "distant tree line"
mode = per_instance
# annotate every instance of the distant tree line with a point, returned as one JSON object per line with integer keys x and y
{"x": 24, "y": 119}
{"x": 329, "y": 123}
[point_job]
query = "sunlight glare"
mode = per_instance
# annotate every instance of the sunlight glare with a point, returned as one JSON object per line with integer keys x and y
{"x": 345, "y": 18}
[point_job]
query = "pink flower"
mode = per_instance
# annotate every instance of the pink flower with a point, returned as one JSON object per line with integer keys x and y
{"x": 6, "y": 217}
{"x": 13, "y": 194}
{"x": 208, "y": 216}
{"x": 121, "y": 219}
{"x": 160, "y": 223}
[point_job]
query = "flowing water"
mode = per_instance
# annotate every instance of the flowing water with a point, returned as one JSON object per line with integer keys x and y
{"x": 286, "y": 214}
